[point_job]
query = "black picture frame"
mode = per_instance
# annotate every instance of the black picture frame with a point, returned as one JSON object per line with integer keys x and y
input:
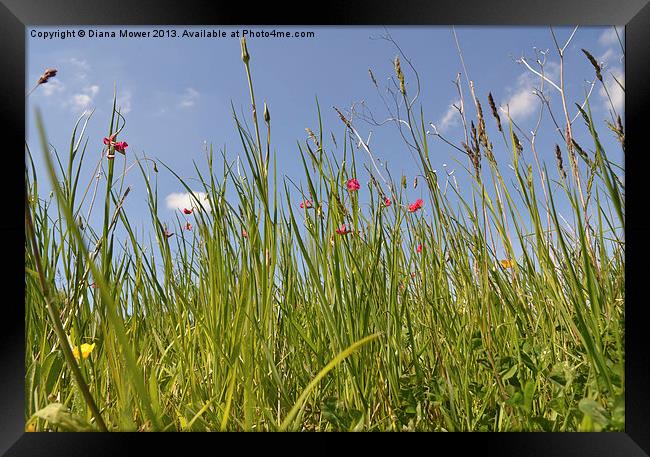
{"x": 17, "y": 15}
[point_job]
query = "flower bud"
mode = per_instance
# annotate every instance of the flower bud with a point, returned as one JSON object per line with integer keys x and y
{"x": 244, "y": 51}
{"x": 267, "y": 116}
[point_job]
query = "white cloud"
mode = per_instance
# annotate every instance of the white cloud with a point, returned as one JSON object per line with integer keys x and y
{"x": 124, "y": 102}
{"x": 82, "y": 64}
{"x": 92, "y": 90}
{"x": 81, "y": 101}
{"x": 78, "y": 68}
{"x": 189, "y": 98}
{"x": 51, "y": 87}
{"x": 607, "y": 55}
{"x": 182, "y": 200}
{"x": 608, "y": 37}
{"x": 523, "y": 102}
{"x": 615, "y": 92}
{"x": 451, "y": 117}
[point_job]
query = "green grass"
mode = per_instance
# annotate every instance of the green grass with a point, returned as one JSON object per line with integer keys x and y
{"x": 296, "y": 327}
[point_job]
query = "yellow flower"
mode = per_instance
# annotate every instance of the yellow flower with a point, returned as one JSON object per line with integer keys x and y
{"x": 506, "y": 263}
{"x": 86, "y": 349}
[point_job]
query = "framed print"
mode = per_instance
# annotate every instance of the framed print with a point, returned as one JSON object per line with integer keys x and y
{"x": 366, "y": 218}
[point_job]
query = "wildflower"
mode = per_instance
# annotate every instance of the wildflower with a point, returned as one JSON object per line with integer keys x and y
{"x": 387, "y": 201}
{"x": 507, "y": 263}
{"x": 110, "y": 140}
{"x": 31, "y": 427}
{"x": 343, "y": 230}
{"x": 86, "y": 349}
{"x": 121, "y": 146}
{"x": 419, "y": 248}
{"x": 413, "y": 207}
{"x": 94, "y": 285}
{"x": 187, "y": 211}
{"x": 167, "y": 233}
{"x": 244, "y": 233}
{"x": 353, "y": 185}
{"x": 188, "y": 226}
{"x": 413, "y": 274}
{"x": 306, "y": 204}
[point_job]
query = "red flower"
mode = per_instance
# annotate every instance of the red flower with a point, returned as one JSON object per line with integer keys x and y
{"x": 419, "y": 248}
{"x": 187, "y": 211}
{"x": 343, "y": 230}
{"x": 353, "y": 185}
{"x": 387, "y": 201}
{"x": 306, "y": 204}
{"x": 244, "y": 233}
{"x": 110, "y": 140}
{"x": 413, "y": 207}
{"x": 121, "y": 146}
{"x": 188, "y": 226}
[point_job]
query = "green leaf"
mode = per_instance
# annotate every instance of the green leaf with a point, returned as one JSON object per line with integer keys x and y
{"x": 60, "y": 416}
{"x": 510, "y": 373}
{"x": 51, "y": 374}
{"x": 595, "y": 411}
{"x": 618, "y": 413}
{"x": 529, "y": 392}
{"x": 335, "y": 361}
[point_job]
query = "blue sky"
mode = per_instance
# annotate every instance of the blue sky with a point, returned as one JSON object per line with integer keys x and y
{"x": 176, "y": 93}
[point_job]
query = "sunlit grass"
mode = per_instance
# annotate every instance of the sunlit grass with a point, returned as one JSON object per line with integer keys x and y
{"x": 359, "y": 310}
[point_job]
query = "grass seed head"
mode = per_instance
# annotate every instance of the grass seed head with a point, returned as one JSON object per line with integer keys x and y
{"x": 495, "y": 112}
{"x": 595, "y": 64}
{"x": 558, "y": 157}
{"x": 47, "y": 74}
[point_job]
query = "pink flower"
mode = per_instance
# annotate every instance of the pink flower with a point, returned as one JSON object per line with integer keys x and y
{"x": 188, "y": 226}
{"x": 343, "y": 230}
{"x": 187, "y": 211}
{"x": 306, "y": 204}
{"x": 93, "y": 285}
{"x": 244, "y": 233}
{"x": 387, "y": 201}
{"x": 121, "y": 146}
{"x": 353, "y": 185}
{"x": 413, "y": 207}
{"x": 419, "y": 248}
{"x": 110, "y": 140}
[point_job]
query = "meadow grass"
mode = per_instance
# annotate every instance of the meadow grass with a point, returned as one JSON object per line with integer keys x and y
{"x": 271, "y": 316}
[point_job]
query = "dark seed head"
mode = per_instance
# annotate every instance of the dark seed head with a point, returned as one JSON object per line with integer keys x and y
{"x": 47, "y": 74}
